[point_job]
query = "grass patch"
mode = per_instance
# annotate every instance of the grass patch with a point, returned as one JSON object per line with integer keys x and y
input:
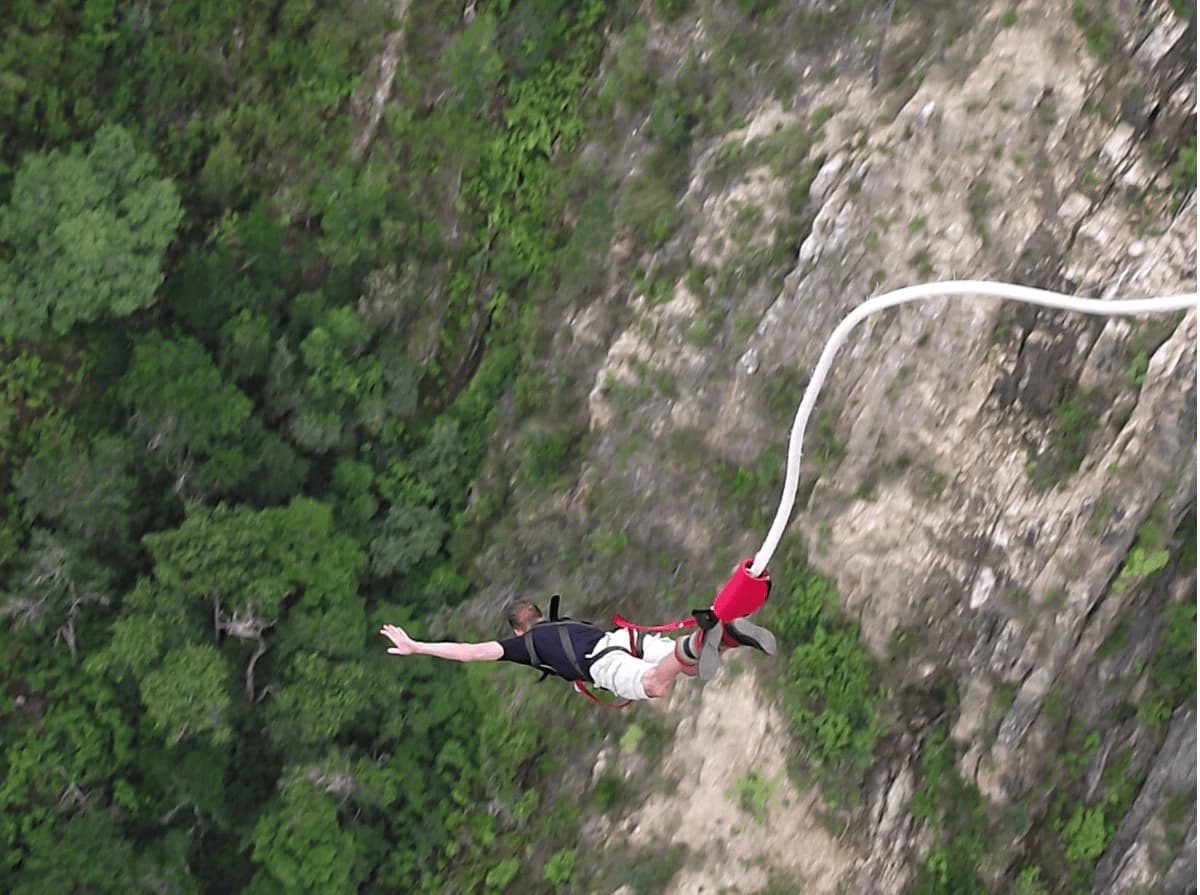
{"x": 1074, "y": 421}
{"x": 928, "y": 482}
{"x": 653, "y": 872}
{"x": 610, "y": 544}
{"x": 546, "y": 454}
{"x": 830, "y": 684}
{"x": 978, "y": 204}
{"x": 609, "y": 792}
{"x": 1173, "y": 668}
{"x": 751, "y": 793}
{"x": 632, "y": 738}
{"x": 826, "y": 450}
{"x": 748, "y": 486}
{"x": 955, "y": 813}
{"x": 649, "y": 208}
{"x": 784, "y": 389}
{"x": 1098, "y": 25}
{"x": 1183, "y": 174}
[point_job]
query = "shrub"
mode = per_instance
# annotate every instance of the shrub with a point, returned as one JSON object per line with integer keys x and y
{"x": 650, "y": 208}
{"x": 829, "y": 680}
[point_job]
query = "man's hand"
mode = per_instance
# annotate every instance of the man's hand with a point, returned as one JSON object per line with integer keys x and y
{"x": 402, "y": 644}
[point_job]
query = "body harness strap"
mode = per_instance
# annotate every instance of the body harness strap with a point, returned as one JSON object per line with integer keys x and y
{"x": 569, "y": 649}
{"x": 636, "y": 639}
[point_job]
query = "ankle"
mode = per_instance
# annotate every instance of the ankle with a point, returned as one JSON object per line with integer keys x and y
{"x": 687, "y": 649}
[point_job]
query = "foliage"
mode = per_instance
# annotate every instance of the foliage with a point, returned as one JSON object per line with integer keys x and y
{"x": 954, "y": 810}
{"x": 830, "y": 685}
{"x": 1083, "y": 814}
{"x": 188, "y": 694}
{"x": 1085, "y": 834}
{"x": 1141, "y": 564}
{"x": 301, "y": 845}
{"x": 1070, "y": 436}
{"x": 631, "y": 737}
{"x": 83, "y": 236}
{"x": 1183, "y": 175}
{"x": 751, "y": 792}
{"x": 649, "y": 208}
{"x": 653, "y": 873}
{"x": 1029, "y": 882}
{"x": 86, "y": 492}
{"x": 631, "y": 81}
{"x": 181, "y": 407}
{"x": 560, "y": 867}
{"x": 1098, "y": 25}
{"x": 547, "y": 453}
{"x": 1172, "y": 670}
{"x": 82, "y": 745}
{"x": 249, "y": 451}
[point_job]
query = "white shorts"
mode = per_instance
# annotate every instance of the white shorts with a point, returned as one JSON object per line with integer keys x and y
{"x": 621, "y": 672}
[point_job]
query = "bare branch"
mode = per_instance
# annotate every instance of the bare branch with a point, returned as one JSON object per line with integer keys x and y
{"x": 258, "y": 652}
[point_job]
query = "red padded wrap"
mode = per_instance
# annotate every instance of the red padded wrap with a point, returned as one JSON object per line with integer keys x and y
{"x": 742, "y": 593}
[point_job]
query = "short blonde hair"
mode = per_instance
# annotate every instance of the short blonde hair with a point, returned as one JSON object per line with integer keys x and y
{"x": 523, "y": 614}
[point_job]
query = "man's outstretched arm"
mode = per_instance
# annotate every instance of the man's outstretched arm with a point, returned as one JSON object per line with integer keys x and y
{"x": 403, "y": 645}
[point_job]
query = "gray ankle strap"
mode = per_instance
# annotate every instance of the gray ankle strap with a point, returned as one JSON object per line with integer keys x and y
{"x": 710, "y": 653}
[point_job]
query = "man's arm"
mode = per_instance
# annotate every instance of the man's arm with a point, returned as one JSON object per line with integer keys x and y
{"x": 403, "y": 645}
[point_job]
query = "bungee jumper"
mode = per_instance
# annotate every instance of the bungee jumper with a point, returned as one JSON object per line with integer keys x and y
{"x": 637, "y": 662}
{"x": 633, "y": 662}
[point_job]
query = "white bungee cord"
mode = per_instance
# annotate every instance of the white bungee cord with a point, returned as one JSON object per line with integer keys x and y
{"x": 947, "y": 289}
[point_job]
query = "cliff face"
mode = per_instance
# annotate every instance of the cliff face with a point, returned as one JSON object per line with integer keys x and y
{"x": 993, "y": 489}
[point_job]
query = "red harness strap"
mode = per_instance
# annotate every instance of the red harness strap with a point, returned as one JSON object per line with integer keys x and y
{"x": 622, "y": 622}
{"x": 742, "y": 595}
{"x": 586, "y": 691}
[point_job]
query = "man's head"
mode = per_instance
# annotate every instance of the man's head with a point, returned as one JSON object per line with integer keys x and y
{"x": 523, "y": 615}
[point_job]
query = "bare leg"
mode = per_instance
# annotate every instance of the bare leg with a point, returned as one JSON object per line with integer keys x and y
{"x": 661, "y": 677}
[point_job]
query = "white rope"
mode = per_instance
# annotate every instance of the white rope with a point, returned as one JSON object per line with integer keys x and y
{"x": 949, "y": 289}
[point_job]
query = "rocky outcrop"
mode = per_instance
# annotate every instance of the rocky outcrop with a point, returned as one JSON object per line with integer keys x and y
{"x": 1129, "y": 864}
{"x": 978, "y": 475}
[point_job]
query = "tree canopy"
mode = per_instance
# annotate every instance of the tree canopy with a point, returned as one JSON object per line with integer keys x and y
{"x": 247, "y": 380}
{"x": 84, "y": 236}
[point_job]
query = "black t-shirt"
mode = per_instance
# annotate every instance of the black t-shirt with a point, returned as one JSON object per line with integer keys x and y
{"x": 548, "y": 644}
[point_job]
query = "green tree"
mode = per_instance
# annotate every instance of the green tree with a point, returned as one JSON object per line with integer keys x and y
{"x": 84, "y": 853}
{"x": 279, "y": 578}
{"x": 188, "y": 693}
{"x": 66, "y": 749}
{"x": 245, "y": 268}
{"x": 319, "y": 700}
{"x": 343, "y": 385}
{"x": 301, "y": 846}
{"x": 87, "y": 493}
{"x": 415, "y": 527}
{"x": 55, "y": 580}
{"x": 185, "y": 413}
{"x": 83, "y": 236}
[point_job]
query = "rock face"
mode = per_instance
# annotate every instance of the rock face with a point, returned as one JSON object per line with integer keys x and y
{"x": 734, "y": 799}
{"x": 979, "y": 475}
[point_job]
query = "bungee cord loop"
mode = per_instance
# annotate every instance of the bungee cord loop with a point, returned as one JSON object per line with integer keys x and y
{"x": 947, "y": 289}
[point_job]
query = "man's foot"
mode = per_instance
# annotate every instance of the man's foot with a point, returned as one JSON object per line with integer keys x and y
{"x": 746, "y": 633}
